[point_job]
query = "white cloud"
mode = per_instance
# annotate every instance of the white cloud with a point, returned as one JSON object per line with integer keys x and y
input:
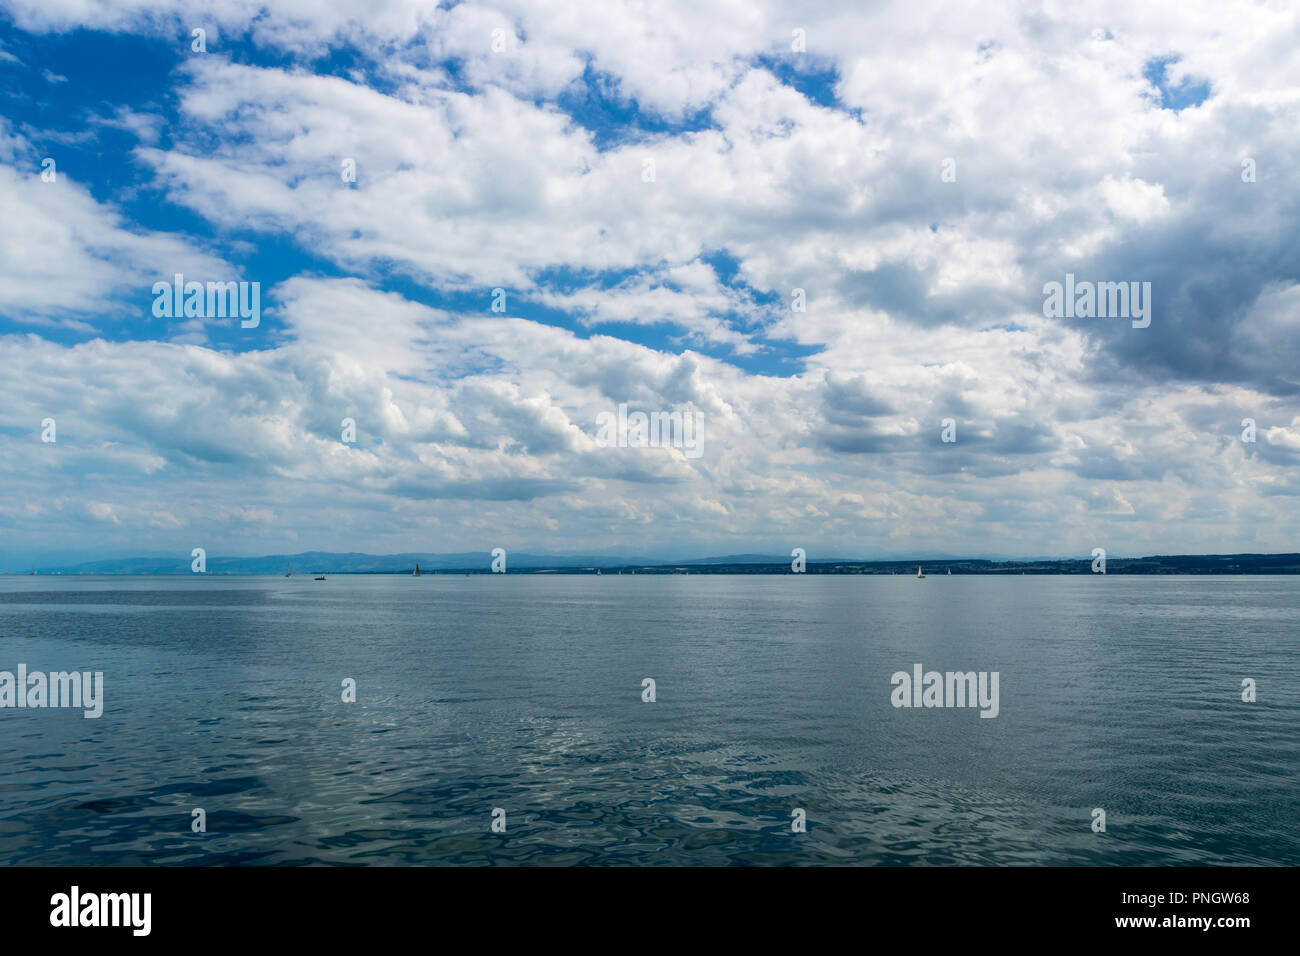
{"x": 63, "y": 253}
{"x": 923, "y": 295}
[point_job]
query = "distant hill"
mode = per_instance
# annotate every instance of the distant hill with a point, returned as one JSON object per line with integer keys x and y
{"x": 1156, "y": 564}
{"x": 328, "y": 562}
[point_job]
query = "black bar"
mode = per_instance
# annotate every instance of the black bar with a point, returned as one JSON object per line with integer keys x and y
{"x": 655, "y": 905}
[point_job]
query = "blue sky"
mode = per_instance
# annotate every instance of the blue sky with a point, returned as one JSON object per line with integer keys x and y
{"x": 826, "y": 231}
{"x": 87, "y": 76}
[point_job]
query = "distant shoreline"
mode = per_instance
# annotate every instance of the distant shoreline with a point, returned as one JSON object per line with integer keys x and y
{"x": 313, "y": 565}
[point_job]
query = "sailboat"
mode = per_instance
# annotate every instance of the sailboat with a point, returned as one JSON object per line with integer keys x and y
{"x": 287, "y": 573}
{"x": 918, "y": 572}
{"x": 598, "y": 572}
{"x": 416, "y": 572}
{"x": 950, "y": 570}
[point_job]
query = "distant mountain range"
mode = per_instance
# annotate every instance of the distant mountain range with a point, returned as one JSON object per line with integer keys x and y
{"x": 327, "y": 562}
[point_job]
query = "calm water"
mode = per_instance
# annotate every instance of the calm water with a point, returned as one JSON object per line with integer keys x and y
{"x": 524, "y": 692}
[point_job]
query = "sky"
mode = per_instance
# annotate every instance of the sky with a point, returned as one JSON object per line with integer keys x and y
{"x": 826, "y": 229}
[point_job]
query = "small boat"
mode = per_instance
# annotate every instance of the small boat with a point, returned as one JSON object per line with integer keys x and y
{"x": 918, "y": 572}
{"x": 416, "y": 572}
{"x": 322, "y": 578}
{"x": 598, "y": 572}
{"x": 287, "y": 572}
{"x": 950, "y": 570}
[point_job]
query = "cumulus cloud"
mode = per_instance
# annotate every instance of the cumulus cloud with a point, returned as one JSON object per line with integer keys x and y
{"x": 828, "y": 254}
{"x": 65, "y": 257}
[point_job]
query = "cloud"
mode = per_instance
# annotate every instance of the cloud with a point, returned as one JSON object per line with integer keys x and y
{"x": 650, "y": 185}
{"x": 74, "y": 256}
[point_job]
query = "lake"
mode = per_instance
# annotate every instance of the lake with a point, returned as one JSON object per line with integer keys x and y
{"x": 523, "y": 694}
